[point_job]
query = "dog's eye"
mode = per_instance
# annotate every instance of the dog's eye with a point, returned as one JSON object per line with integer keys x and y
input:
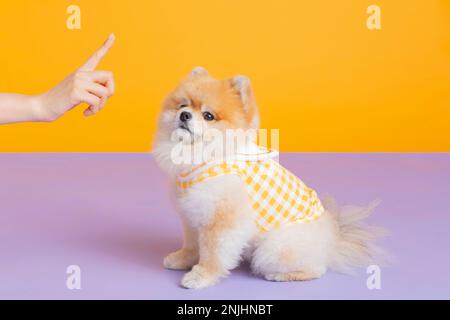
{"x": 181, "y": 106}
{"x": 208, "y": 116}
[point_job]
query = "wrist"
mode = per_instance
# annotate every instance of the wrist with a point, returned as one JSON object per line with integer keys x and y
{"x": 40, "y": 109}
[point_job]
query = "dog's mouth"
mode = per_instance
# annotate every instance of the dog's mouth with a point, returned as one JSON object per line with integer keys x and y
{"x": 184, "y": 126}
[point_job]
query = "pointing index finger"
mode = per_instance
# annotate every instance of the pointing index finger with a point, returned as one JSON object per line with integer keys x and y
{"x": 95, "y": 59}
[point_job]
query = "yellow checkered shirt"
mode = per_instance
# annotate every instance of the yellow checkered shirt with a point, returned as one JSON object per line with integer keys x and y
{"x": 277, "y": 195}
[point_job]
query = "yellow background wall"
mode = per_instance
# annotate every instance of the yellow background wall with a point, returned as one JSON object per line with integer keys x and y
{"x": 320, "y": 76}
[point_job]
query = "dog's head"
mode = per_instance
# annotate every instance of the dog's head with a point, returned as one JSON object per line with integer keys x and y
{"x": 201, "y": 105}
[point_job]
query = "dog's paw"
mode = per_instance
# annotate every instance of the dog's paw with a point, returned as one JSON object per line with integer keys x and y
{"x": 198, "y": 278}
{"x": 180, "y": 260}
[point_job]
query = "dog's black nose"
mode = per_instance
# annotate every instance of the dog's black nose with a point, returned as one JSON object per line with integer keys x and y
{"x": 185, "y": 116}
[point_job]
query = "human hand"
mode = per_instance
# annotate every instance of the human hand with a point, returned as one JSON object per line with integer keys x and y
{"x": 84, "y": 85}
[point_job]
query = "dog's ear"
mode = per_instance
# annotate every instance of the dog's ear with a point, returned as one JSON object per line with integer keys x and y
{"x": 199, "y": 71}
{"x": 243, "y": 87}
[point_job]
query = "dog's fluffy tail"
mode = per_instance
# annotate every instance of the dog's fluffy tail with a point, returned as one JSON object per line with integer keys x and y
{"x": 354, "y": 245}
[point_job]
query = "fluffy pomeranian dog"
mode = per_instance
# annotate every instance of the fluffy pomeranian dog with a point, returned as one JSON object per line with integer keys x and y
{"x": 245, "y": 205}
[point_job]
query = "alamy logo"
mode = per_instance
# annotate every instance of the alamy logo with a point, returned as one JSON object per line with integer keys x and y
{"x": 73, "y": 281}
{"x": 74, "y": 19}
{"x": 374, "y": 280}
{"x": 215, "y": 145}
{"x": 374, "y": 19}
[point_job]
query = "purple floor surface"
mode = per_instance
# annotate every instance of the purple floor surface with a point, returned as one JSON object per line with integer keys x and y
{"x": 110, "y": 214}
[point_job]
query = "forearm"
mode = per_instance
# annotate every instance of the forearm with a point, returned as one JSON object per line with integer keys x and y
{"x": 20, "y": 108}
